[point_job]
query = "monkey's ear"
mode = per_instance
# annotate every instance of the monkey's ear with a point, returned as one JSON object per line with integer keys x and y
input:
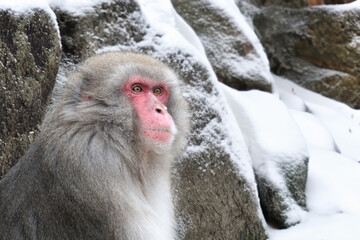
{"x": 87, "y": 76}
{"x": 87, "y": 79}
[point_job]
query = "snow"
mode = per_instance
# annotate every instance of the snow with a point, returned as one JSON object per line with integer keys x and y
{"x": 336, "y": 177}
{"x": 266, "y": 122}
{"x": 273, "y": 137}
{"x": 340, "y": 120}
{"x": 78, "y": 7}
{"x": 309, "y": 125}
{"x": 321, "y": 227}
{"x": 331, "y": 130}
{"x": 333, "y": 196}
{"x": 23, "y": 6}
{"x": 176, "y": 33}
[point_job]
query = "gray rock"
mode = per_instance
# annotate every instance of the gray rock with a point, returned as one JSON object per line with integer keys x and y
{"x": 283, "y": 3}
{"x": 267, "y": 3}
{"x": 237, "y": 58}
{"x": 29, "y": 59}
{"x": 338, "y": 1}
{"x": 315, "y": 47}
{"x": 109, "y": 23}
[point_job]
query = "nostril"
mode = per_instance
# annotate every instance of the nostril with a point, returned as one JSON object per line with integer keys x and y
{"x": 158, "y": 110}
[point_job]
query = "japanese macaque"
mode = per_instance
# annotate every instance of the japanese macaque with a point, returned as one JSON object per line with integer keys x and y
{"x": 100, "y": 167}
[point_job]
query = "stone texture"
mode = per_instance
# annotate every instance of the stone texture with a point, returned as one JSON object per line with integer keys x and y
{"x": 238, "y": 60}
{"x": 107, "y": 24}
{"x": 281, "y": 3}
{"x": 29, "y": 59}
{"x": 315, "y": 47}
{"x": 338, "y": 1}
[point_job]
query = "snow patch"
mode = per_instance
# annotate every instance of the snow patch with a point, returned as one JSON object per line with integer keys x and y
{"x": 273, "y": 138}
{"x": 315, "y": 133}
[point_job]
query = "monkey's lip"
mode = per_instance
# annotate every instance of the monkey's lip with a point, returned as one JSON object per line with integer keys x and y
{"x": 161, "y": 135}
{"x": 158, "y": 130}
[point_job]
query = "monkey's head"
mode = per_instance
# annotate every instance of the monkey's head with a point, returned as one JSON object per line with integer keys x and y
{"x": 129, "y": 95}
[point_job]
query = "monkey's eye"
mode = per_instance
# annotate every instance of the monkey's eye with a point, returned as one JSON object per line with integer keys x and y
{"x": 137, "y": 89}
{"x": 158, "y": 90}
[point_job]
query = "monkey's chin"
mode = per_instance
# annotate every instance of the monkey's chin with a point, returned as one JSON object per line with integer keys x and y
{"x": 159, "y": 135}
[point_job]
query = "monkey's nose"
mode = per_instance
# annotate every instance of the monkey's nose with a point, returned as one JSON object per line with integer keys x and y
{"x": 160, "y": 108}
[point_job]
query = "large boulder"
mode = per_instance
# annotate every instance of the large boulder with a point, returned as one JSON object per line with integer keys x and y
{"x": 29, "y": 59}
{"x": 338, "y": 1}
{"x": 108, "y": 23}
{"x": 231, "y": 46}
{"x": 316, "y": 47}
{"x": 282, "y": 3}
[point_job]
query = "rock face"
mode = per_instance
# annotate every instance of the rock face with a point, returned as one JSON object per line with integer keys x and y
{"x": 338, "y": 1}
{"x": 317, "y": 48}
{"x": 282, "y": 3}
{"x": 231, "y": 46}
{"x": 105, "y": 25}
{"x": 29, "y": 59}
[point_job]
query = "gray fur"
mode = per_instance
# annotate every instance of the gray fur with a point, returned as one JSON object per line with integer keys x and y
{"x": 87, "y": 176}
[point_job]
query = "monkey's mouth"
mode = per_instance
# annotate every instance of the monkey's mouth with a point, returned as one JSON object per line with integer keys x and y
{"x": 162, "y": 135}
{"x": 158, "y": 130}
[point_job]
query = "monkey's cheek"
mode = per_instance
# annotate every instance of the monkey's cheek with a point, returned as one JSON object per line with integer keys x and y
{"x": 159, "y": 136}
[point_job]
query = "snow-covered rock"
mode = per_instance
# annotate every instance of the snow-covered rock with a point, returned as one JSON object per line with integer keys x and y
{"x": 278, "y": 152}
{"x": 29, "y": 59}
{"x": 232, "y": 47}
{"x": 289, "y": 4}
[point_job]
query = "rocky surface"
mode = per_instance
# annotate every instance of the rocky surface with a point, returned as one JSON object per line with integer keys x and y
{"x": 233, "y": 50}
{"x": 106, "y": 24}
{"x": 317, "y": 48}
{"x": 282, "y": 3}
{"x": 29, "y": 59}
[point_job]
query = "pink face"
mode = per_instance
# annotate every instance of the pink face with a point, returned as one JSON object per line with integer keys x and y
{"x": 149, "y": 99}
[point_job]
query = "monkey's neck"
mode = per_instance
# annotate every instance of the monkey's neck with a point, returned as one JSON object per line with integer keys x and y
{"x": 154, "y": 170}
